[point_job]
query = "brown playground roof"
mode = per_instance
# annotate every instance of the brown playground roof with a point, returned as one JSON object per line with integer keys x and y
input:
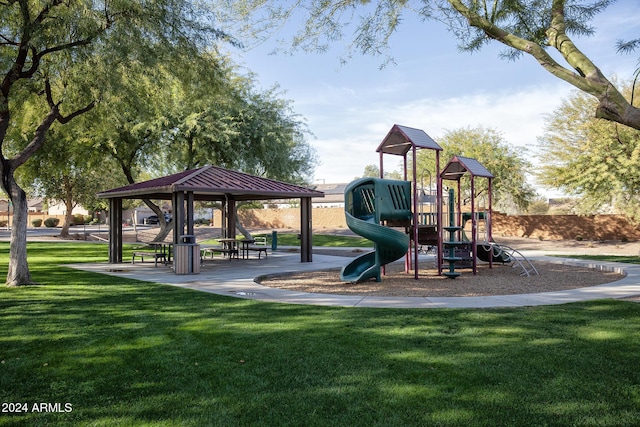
{"x": 401, "y": 139}
{"x": 459, "y": 165}
{"x": 212, "y": 183}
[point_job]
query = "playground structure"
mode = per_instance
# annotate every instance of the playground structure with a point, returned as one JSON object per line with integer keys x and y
{"x": 369, "y": 203}
{"x": 376, "y": 208}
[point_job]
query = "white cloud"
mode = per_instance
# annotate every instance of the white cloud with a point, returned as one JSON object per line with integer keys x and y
{"x": 348, "y": 137}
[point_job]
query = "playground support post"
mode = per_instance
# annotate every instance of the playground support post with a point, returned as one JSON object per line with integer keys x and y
{"x": 415, "y": 212}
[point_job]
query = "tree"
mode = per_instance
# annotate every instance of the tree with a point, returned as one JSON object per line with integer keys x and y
{"x": 373, "y": 171}
{"x": 593, "y": 159}
{"x": 507, "y": 165}
{"x": 46, "y": 50}
{"x": 171, "y": 119}
{"x": 69, "y": 170}
{"x": 238, "y": 126}
{"x": 524, "y": 27}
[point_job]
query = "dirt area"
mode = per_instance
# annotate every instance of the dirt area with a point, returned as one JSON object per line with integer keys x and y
{"x": 500, "y": 280}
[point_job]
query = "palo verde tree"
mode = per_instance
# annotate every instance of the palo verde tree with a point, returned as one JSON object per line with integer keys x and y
{"x": 44, "y": 51}
{"x": 592, "y": 159}
{"x": 543, "y": 29}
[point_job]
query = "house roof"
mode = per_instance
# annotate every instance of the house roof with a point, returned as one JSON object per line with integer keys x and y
{"x": 459, "y": 165}
{"x": 212, "y": 183}
{"x": 401, "y": 139}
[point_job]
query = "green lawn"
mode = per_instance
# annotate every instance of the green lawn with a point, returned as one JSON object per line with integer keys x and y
{"x": 291, "y": 239}
{"x": 129, "y": 353}
{"x": 628, "y": 259}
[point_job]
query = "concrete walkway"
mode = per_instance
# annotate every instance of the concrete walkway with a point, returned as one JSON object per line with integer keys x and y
{"x": 236, "y": 278}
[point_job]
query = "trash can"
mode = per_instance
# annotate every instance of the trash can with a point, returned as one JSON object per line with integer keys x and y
{"x": 274, "y": 240}
{"x": 186, "y": 255}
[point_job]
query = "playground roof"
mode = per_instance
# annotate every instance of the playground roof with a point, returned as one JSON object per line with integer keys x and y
{"x": 401, "y": 139}
{"x": 212, "y": 183}
{"x": 459, "y": 165}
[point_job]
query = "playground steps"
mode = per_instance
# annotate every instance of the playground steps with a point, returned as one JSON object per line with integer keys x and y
{"x": 517, "y": 259}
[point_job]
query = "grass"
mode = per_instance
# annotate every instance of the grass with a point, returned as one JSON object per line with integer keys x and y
{"x": 130, "y": 353}
{"x": 628, "y": 259}
{"x": 291, "y": 239}
{"x": 286, "y": 239}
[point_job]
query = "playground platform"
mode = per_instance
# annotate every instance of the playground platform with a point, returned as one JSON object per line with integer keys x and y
{"x": 236, "y": 279}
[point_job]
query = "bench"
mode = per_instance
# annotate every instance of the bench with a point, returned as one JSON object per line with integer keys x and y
{"x": 144, "y": 254}
{"x": 259, "y": 249}
{"x": 219, "y": 249}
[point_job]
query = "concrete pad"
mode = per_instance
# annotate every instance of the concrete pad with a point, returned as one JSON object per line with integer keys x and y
{"x": 235, "y": 278}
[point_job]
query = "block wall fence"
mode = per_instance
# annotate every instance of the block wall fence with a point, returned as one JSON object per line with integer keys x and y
{"x": 544, "y": 227}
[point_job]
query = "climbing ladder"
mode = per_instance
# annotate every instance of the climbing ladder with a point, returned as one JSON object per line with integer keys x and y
{"x": 516, "y": 259}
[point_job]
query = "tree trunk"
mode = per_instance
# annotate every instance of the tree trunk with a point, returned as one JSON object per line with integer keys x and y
{"x": 18, "y": 273}
{"x": 241, "y": 228}
{"x": 165, "y": 229}
{"x": 68, "y": 219}
{"x": 68, "y": 206}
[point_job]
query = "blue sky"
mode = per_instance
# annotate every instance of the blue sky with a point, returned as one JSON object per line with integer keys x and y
{"x": 433, "y": 87}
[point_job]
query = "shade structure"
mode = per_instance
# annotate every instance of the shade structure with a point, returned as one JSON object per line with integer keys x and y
{"x": 208, "y": 183}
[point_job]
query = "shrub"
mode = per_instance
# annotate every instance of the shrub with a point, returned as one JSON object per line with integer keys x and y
{"x": 36, "y": 222}
{"x": 51, "y": 222}
{"x": 3, "y": 223}
{"x": 78, "y": 219}
{"x": 88, "y": 219}
{"x": 579, "y": 238}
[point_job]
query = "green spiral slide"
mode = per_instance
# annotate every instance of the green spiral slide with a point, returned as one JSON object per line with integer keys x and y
{"x": 369, "y": 201}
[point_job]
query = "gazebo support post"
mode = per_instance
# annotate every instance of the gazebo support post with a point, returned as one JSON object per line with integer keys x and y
{"x": 231, "y": 218}
{"x": 115, "y": 231}
{"x": 223, "y": 219}
{"x": 178, "y": 215}
{"x": 190, "y": 213}
{"x": 306, "y": 233}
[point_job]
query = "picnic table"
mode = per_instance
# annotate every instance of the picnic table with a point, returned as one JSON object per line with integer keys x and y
{"x": 161, "y": 252}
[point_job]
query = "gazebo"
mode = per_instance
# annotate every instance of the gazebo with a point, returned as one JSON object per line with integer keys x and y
{"x": 208, "y": 183}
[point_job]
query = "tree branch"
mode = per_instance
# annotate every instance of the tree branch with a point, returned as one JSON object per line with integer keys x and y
{"x": 40, "y": 135}
{"x": 587, "y": 77}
